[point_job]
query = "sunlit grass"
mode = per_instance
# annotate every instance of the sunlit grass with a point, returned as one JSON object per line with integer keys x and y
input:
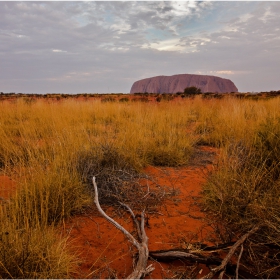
{"x": 49, "y": 148}
{"x": 43, "y": 144}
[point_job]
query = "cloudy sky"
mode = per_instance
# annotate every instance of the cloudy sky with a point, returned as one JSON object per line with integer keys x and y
{"x": 77, "y": 47}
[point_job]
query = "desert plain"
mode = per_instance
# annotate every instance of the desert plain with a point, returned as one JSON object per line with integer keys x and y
{"x": 203, "y": 171}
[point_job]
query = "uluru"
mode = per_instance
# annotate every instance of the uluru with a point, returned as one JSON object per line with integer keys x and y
{"x": 177, "y": 83}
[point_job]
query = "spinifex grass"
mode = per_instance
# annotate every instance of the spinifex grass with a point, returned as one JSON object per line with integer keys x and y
{"x": 38, "y": 252}
{"x": 43, "y": 145}
{"x": 52, "y": 148}
{"x": 245, "y": 189}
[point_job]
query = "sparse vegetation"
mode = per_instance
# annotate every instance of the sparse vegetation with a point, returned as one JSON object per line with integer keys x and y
{"x": 53, "y": 145}
{"x": 51, "y": 148}
{"x": 244, "y": 190}
{"x": 192, "y": 91}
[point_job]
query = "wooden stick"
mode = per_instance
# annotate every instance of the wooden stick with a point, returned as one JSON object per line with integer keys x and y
{"x": 238, "y": 261}
{"x": 134, "y": 219}
{"x": 174, "y": 254}
{"x": 230, "y": 254}
{"x": 141, "y": 268}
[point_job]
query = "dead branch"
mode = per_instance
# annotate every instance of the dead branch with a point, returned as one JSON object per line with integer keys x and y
{"x": 224, "y": 263}
{"x": 133, "y": 217}
{"x": 141, "y": 268}
{"x": 170, "y": 255}
{"x": 238, "y": 261}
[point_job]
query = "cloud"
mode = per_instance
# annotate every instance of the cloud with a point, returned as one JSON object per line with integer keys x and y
{"x": 49, "y": 46}
{"x": 59, "y": 51}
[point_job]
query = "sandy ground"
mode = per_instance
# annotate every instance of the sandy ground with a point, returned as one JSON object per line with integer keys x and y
{"x": 104, "y": 252}
{"x": 7, "y": 188}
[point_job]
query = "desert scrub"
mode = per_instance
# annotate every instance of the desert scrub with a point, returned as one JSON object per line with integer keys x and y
{"x": 114, "y": 171}
{"x": 51, "y": 148}
{"x": 245, "y": 191}
{"x": 49, "y": 196}
{"x": 221, "y": 122}
{"x": 34, "y": 253}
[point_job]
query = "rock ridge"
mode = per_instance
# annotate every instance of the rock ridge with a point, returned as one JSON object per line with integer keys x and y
{"x": 177, "y": 83}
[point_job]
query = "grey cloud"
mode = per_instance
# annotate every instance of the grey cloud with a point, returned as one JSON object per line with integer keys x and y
{"x": 100, "y": 45}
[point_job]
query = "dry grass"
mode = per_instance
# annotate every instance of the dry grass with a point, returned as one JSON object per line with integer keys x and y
{"x": 244, "y": 191}
{"x": 53, "y": 148}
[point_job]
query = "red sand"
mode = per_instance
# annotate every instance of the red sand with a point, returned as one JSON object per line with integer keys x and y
{"x": 105, "y": 252}
{"x": 7, "y": 187}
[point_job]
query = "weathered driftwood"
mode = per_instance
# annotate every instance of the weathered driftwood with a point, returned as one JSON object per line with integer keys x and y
{"x": 141, "y": 269}
{"x": 170, "y": 255}
{"x": 202, "y": 256}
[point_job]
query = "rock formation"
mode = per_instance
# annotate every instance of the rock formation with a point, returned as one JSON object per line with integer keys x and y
{"x": 177, "y": 83}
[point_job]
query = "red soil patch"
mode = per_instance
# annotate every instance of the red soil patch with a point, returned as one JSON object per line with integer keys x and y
{"x": 105, "y": 252}
{"x": 7, "y": 188}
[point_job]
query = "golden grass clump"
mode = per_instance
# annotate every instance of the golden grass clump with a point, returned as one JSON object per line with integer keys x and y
{"x": 244, "y": 190}
{"x": 51, "y": 148}
{"x": 34, "y": 253}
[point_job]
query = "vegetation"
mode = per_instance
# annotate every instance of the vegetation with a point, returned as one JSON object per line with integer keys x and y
{"x": 192, "y": 90}
{"x": 52, "y": 147}
{"x": 244, "y": 190}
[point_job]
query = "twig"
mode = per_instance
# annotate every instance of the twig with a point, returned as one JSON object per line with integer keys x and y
{"x": 148, "y": 191}
{"x": 141, "y": 268}
{"x": 174, "y": 254}
{"x": 238, "y": 261}
{"x": 230, "y": 254}
{"x": 109, "y": 219}
{"x": 133, "y": 217}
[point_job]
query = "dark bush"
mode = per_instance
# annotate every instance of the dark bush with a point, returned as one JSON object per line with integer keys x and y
{"x": 124, "y": 99}
{"x": 192, "y": 90}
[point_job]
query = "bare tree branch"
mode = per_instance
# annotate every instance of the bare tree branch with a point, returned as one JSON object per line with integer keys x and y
{"x": 238, "y": 261}
{"x": 230, "y": 254}
{"x": 134, "y": 219}
{"x": 141, "y": 268}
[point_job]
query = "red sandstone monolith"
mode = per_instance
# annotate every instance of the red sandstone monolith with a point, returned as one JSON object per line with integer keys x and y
{"x": 177, "y": 83}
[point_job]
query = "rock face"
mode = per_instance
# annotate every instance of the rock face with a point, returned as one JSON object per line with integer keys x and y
{"x": 177, "y": 83}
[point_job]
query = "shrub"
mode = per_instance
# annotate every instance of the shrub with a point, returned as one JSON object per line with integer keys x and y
{"x": 124, "y": 99}
{"x": 245, "y": 191}
{"x": 34, "y": 254}
{"x": 158, "y": 98}
{"x": 192, "y": 90}
{"x": 108, "y": 99}
{"x": 112, "y": 169}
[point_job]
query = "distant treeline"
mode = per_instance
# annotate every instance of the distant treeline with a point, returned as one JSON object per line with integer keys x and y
{"x": 124, "y": 97}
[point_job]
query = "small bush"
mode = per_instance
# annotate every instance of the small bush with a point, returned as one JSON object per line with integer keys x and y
{"x": 124, "y": 99}
{"x": 112, "y": 169}
{"x": 108, "y": 99}
{"x": 192, "y": 90}
{"x": 245, "y": 192}
{"x": 34, "y": 254}
{"x": 167, "y": 157}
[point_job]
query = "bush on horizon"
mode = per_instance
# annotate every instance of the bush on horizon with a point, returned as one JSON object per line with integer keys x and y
{"x": 192, "y": 90}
